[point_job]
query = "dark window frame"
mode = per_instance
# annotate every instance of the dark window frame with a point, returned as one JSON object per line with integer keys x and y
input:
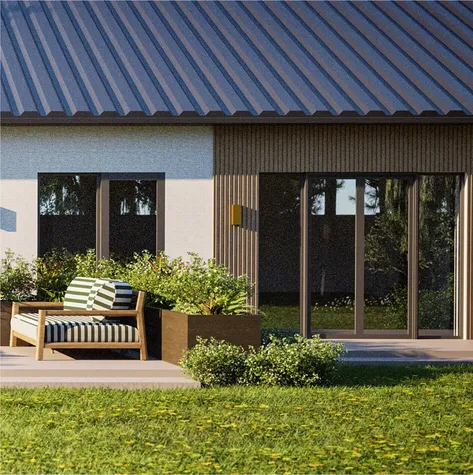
{"x": 102, "y": 206}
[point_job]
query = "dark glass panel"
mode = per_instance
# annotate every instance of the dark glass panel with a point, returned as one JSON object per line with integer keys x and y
{"x": 386, "y": 248}
{"x": 132, "y": 217}
{"x": 332, "y": 206}
{"x": 279, "y": 251}
{"x": 67, "y": 212}
{"x": 439, "y": 208}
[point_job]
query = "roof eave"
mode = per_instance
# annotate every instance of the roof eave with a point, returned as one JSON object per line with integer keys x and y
{"x": 8, "y": 119}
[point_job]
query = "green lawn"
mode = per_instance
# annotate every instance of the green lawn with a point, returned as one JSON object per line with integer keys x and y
{"x": 373, "y": 420}
{"x": 334, "y": 318}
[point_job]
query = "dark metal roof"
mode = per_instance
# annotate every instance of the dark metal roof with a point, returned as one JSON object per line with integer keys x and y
{"x": 236, "y": 59}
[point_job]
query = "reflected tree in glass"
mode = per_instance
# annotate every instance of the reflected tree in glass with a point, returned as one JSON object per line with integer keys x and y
{"x": 67, "y": 212}
{"x": 439, "y": 209}
{"x": 386, "y": 251}
{"x": 132, "y": 217}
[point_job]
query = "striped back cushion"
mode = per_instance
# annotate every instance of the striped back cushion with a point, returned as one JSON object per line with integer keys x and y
{"x": 86, "y": 293}
{"x": 107, "y": 294}
{"x": 77, "y": 294}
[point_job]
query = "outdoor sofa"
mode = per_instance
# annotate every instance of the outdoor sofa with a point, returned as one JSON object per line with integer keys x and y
{"x": 88, "y": 318}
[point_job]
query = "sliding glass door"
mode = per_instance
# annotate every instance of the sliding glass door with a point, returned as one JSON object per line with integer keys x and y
{"x": 376, "y": 255}
{"x": 279, "y": 251}
{"x": 438, "y": 256}
{"x": 332, "y": 256}
{"x": 132, "y": 217}
{"x": 386, "y": 246}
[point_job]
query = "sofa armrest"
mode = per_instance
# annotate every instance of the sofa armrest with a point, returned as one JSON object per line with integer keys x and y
{"x": 98, "y": 313}
{"x": 17, "y": 306}
{"x": 38, "y": 305}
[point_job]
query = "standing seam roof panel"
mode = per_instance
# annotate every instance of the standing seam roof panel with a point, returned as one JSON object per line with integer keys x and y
{"x": 242, "y": 59}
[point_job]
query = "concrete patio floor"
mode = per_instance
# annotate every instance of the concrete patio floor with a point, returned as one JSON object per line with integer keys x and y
{"x": 383, "y": 351}
{"x": 18, "y": 368}
{"x": 97, "y": 368}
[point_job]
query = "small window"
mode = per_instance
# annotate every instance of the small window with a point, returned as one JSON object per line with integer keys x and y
{"x": 67, "y": 212}
{"x": 127, "y": 219}
{"x": 132, "y": 217}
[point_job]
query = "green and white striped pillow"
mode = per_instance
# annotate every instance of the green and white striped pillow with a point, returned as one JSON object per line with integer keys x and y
{"x": 78, "y": 292}
{"x": 107, "y": 294}
{"x": 86, "y": 293}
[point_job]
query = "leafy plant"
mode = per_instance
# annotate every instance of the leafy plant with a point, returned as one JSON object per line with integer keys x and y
{"x": 195, "y": 286}
{"x": 16, "y": 278}
{"x": 297, "y": 361}
{"x": 215, "y": 363}
{"x": 54, "y": 272}
{"x": 87, "y": 265}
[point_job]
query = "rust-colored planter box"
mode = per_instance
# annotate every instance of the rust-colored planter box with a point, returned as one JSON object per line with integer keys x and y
{"x": 180, "y": 331}
{"x": 5, "y": 317}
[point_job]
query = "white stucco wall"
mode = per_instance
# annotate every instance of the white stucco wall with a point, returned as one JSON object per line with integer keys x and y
{"x": 184, "y": 154}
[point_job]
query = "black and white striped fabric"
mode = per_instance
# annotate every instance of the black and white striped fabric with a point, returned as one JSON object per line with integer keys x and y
{"x": 84, "y": 293}
{"x": 74, "y": 328}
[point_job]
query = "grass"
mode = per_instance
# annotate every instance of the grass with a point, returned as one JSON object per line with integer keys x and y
{"x": 287, "y": 317}
{"x": 372, "y": 420}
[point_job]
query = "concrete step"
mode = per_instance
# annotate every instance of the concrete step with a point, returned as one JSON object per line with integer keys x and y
{"x": 18, "y": 368}
{"x": 88, "y": 382}
{"x": 61, "y": 372}
{"x": 441, "y": 351}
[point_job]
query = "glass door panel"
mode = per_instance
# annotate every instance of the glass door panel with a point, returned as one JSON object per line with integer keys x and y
{"x": 439, "y": 210}
{"x": 332, "y": 215}
{"x": 67, "y": 212}
{"x": 279, "y": 251}
{"x": 132, "y": 222}
{"x": 386, "y": 250}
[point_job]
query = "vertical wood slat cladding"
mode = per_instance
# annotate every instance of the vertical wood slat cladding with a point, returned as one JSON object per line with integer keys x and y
{"x": 244, "y": 151}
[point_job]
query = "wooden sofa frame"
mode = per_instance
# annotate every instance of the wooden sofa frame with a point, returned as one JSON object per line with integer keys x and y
{"x": 56, "y": 308}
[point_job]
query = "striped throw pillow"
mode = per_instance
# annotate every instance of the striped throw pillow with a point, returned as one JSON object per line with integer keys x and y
{"x": 78, "y": 292}
{"x": 107, "y": 294}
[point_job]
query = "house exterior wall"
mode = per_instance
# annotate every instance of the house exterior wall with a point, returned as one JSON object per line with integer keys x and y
{"x": 242, "y": 152}
{"x": 183, "y": 154}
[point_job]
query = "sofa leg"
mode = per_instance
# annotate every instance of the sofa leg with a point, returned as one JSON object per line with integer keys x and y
{"x": 39, "y": 351}
{"x": 143, "y": 352}
{"x": 13, "y": 339}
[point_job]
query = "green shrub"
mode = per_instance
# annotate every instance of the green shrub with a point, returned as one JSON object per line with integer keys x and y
{"x": 54, "y": 272}
{"x": 296, "y": 362}
{"x": 282, "y": 362}
{"x": 215, "y": 363}
{"x": 16, "y": 278}
{"x": 205, "y": 288}
{"x": 195, "y": 286}
{"x": 150, "y": 273}
{"x": 87, "y": 265}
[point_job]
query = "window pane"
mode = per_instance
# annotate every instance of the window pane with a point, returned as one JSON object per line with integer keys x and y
{"x": 439, "y": 208}
{"x": 386, "y": 246}
{"x": 279, "y": 252}
{"x": 132, "y": 217}
{"x": 67, "y": 212}
{"x": 333, "y": 253}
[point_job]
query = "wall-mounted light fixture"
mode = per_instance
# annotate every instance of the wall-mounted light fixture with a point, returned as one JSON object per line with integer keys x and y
{"x": 236, "y": 215}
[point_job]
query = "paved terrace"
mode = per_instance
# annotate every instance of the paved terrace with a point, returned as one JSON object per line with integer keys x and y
{"x": 97, "y": 368}
{"x": 371, "y": 351}
{"x": 18, "y": 368}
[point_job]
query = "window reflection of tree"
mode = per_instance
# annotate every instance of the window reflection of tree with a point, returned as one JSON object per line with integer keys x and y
{"x": 133, "y": 197}
{"x": 66, "y": 195}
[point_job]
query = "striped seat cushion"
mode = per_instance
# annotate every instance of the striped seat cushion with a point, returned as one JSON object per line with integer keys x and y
{"x": 74, "y": 328}
{"x": 86, "y": 293}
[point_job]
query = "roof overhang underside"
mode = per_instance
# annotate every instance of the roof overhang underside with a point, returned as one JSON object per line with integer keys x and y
{"x": 141, "y": 62}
